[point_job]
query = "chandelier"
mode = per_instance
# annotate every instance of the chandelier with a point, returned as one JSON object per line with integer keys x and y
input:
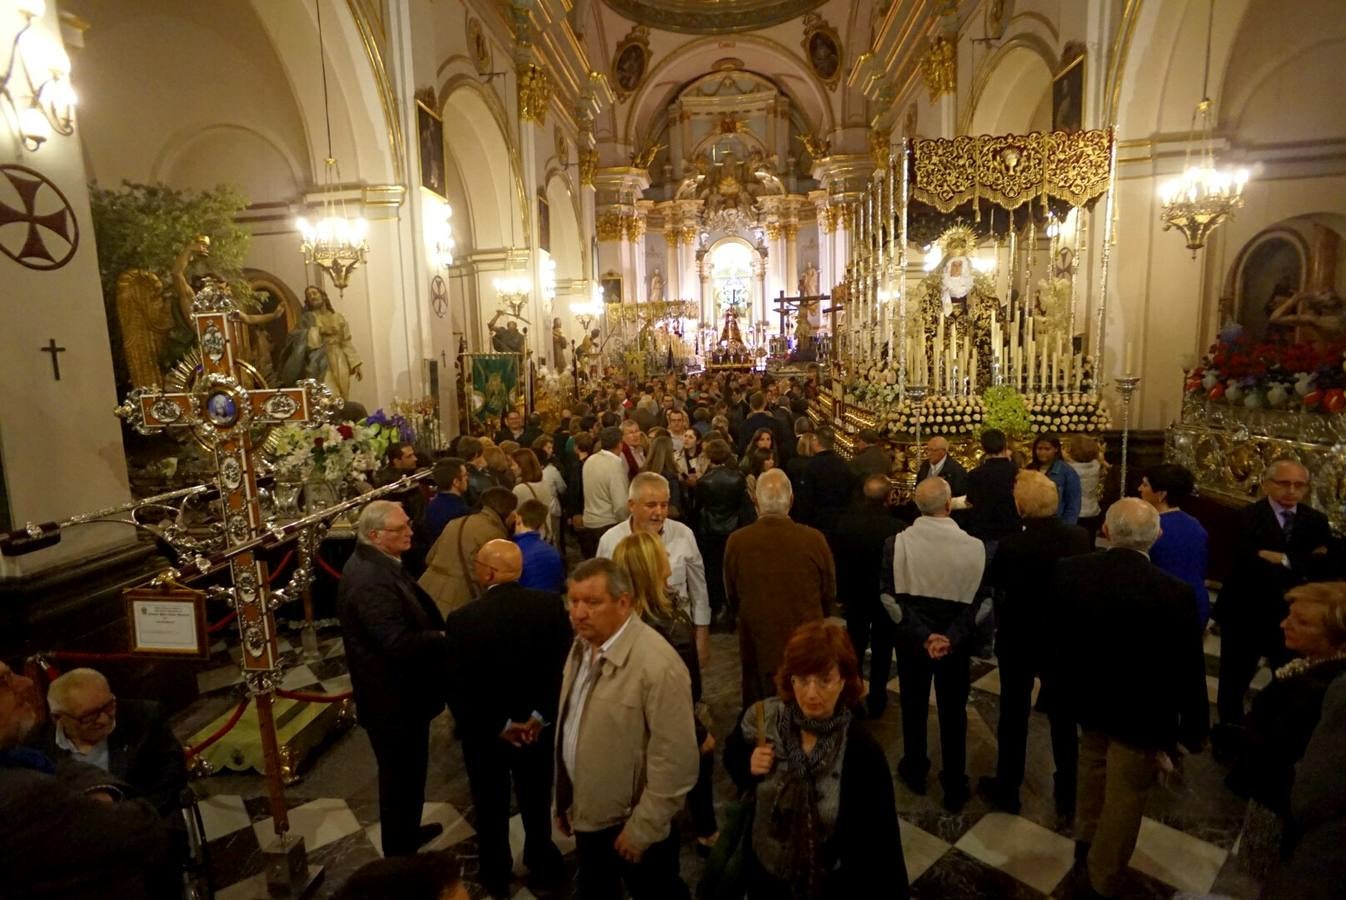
{"x": 336, "y": 242}
{"x": 1203, "y": 197}
{"x": 513, "y": 291}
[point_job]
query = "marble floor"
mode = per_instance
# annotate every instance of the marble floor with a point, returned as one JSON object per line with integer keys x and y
{"x": 1185, "y": 846}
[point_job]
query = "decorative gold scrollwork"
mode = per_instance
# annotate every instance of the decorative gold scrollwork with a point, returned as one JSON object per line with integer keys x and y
{"x": 535, "y": 89}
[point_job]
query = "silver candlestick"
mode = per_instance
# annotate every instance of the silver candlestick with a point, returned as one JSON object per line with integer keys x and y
{"x": 1126, "y": 386}
{"x": 917, "y": 393}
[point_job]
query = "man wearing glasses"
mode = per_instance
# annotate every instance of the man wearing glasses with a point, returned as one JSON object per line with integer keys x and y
{"x": 1281, "y": 542}
{"x": 128, "y": 739}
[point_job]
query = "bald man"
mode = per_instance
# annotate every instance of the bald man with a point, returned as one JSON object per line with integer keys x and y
{"x": 508, "y": 649}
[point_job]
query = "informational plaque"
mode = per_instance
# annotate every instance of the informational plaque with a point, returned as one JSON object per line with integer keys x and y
{"x": 168, "y": 621}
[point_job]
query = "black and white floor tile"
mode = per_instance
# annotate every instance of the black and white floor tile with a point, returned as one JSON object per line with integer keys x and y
{"x": 1186, "y": 841}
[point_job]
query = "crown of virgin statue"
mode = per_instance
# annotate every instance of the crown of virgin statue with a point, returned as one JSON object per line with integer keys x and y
{"x": 959, "y": 240}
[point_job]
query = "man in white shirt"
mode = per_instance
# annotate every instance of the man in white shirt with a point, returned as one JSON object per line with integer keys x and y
{"x": 937, "y": 569}
{"x": 605, "y": 490}
{"x": 648, "y": 502}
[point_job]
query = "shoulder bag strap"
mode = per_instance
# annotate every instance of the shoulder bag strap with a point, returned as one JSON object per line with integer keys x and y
{"x": 761, "y": 724}
{"x": 462, "y": 558}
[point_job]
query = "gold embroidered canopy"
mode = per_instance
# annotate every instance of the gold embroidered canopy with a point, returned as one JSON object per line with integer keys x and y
{"x": 1012, "y": 169}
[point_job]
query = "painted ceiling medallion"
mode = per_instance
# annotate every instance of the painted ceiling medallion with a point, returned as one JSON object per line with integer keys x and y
{"x": 712, "y": 16}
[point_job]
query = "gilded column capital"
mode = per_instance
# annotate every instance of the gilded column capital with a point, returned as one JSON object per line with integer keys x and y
{"x": 773, "y": 231}
{"x": 940, "y": 67}
{"x": 635, "y": 228}
{"x": 791, "y": 230}
{"x": 879, "y": 149}
{"x": 588, "y": 166}
{"x": 673, "y": 236}
{"x": 689, "y": 234}
{"x": 611, "y": 225}
{"x": 535, "y": 90}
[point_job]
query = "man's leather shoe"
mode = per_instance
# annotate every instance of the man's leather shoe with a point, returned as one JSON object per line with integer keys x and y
{"x": 427, "y": 833}
{"x": 991, "y": 788}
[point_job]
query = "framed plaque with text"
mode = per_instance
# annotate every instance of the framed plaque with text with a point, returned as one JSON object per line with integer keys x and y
{"x": 167, "y": 621}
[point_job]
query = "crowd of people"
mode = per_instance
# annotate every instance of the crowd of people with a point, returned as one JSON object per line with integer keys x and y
{"x": 557, "y": 592}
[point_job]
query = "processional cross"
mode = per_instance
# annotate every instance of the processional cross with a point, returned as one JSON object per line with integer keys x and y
{"x": 221, "y": 412}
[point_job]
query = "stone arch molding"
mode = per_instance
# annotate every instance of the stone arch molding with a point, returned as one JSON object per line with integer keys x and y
{"x": 761, "y": 56}
{"x": 478, "y": 145}
{"x": 1009, "y": 86}
{"x": 199, "y": 146}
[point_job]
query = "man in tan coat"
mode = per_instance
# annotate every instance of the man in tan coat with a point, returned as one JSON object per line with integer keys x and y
{"x": 626, "y": 749}
{"x": 779, "y": 575}
{"x": 448, "y": 568}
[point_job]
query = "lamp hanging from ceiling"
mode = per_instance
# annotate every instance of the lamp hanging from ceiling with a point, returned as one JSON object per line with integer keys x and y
{"x": 336, "y": 243}
{"x": 1203, "y": 197}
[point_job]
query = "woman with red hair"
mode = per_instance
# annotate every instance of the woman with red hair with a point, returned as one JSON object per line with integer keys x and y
{"x": 825, "y": 824}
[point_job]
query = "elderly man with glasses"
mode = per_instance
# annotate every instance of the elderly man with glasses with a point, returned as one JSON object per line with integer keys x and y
{"x": 128, "y": 739}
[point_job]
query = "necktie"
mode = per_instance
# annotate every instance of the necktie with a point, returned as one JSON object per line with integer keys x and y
{"x": 1287, "y": 523}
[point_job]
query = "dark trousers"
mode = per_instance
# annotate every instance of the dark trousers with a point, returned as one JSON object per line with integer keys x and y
{"x": 952, "y": 676}
{"x": 701, "y": 798}
{"x": 866, "y": 621}
{"x": 490, "y": 763}
{"x": 402, "y": 750}
{"x": 600, "y": 871}
{"x": 1242, "y": 644}
{"x": 1016, "y": 698}
{"x": 588, "y": 539}
{"x": 712, "y": 554}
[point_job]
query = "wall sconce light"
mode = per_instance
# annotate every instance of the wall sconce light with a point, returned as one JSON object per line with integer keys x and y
{"x": 35, "y": 86}
{"x": 513, "y": 291}
{"x": 548, "y": 279}
{"x": 442, "y": 240}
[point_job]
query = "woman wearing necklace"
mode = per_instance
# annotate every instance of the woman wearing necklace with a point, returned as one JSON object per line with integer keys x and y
{"x": 1283, "y": 717}
{"x": 825, "y": 823}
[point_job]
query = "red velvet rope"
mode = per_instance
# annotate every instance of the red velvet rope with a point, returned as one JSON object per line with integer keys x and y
{"x": 313, "y": 698}
{"x": 224, "y": 729}
{"x": 219, "y": 626}
{"x": 280, "y": 567}
{"x": 327, "y": 568}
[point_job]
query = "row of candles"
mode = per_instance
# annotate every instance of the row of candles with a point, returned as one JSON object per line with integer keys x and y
{"x": 1020, "y": 358}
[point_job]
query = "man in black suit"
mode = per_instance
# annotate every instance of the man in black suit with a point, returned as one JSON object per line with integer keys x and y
{"x": 861, "y": 533}
{"x": 1281, "y": 542}
{"x": 1133, "y": 674}
{"x": 1021, "y": 576}
{"x": 829, "y": 485}
{"x": 128, "y": 739}
{"x": 990, "y": 493}
{"x": 396, "y": 650}
{"x": 939, "y": 462}
{"x": 509, "y": 649}
{"x": 870, "y": 456}
{"x": 760, "y": 418}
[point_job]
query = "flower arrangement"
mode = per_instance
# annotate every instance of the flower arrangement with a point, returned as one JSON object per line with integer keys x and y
{"x": 328, "y": 452}
{"x": 1018, "y": 415}
{"x": 1272, "y": 374}
{"x": 1003, "y": 408}
{"x": 384, "y": 429}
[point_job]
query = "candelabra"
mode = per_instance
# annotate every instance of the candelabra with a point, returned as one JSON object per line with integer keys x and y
{"x": 917, "y": 393}
{"x": 1126, "y": 386}
{"x": 513, "y": 292}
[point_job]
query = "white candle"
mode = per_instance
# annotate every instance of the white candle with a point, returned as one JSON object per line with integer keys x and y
{"x": 1130, "y": 358}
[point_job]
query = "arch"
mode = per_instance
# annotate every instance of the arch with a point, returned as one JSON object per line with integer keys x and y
{"x": 1010, "y": 87}
{"x": 566, "y": 248}
{"x": 761, "y": 56}
{"x": 487, "y": 160}
{"x": 202, "y": 157}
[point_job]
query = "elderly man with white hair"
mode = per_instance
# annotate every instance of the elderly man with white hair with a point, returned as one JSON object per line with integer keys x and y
{"x": 128, "y": 739}
{"x": 1133, "y": 674}
{"x": 647, "y": 499}
{"x": 937, "y": 570}
{"x": 778, "y": 575}
{"x": 398, "y": 653}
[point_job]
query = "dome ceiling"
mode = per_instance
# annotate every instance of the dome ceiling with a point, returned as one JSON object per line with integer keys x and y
{"x": 711, "y": 16}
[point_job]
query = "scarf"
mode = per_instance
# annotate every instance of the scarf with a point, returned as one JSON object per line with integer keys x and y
{"x": 795, "y": 820}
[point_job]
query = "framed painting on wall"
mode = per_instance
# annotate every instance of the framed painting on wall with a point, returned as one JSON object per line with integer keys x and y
{"x": 612, "y": 288}
{"x": 543, "y": 222}
{"x": 430, "y": 132}
{"x": 1068, "y": 90}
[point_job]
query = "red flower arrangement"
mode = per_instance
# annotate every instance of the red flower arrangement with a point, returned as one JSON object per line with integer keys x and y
{"x": 1275, "y": 373}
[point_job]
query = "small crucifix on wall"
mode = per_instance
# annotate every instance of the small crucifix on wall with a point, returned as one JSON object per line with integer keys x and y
{"x": 55, "y": 360}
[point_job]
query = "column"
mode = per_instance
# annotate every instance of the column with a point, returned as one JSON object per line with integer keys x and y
{"x": 672, "y": 275}
{"x": 791, "y": 230}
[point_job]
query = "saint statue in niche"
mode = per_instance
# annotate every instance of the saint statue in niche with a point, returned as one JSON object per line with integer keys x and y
{"x": 656, "y": 293}
{"x": 558, "y": 345}
{"x": 320, "y": 346}
{"x": 808, "y": 282}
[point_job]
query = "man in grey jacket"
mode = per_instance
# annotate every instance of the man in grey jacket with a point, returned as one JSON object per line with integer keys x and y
{"x": 626, "y": 748}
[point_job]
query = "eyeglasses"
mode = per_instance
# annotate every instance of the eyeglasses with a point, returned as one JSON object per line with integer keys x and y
{"x": 397, "y": 530}
{"x": 1297, "y": 485}
{"x": 90, "y": 719}
{"x": 817, "y": 682}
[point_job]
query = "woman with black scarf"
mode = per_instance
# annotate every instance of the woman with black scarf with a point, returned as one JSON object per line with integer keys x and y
{"x": 825, "y": 823}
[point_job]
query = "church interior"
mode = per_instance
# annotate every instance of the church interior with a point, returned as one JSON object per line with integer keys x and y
{"x": 227, "y": 228}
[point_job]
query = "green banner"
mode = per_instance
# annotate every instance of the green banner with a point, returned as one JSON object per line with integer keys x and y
{"x": 494, "y": 387}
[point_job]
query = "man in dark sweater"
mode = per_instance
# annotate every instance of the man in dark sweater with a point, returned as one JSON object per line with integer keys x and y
{"x": 828, "y": 485}
{"x": 991, "y": 513}
{"x": 760, "y": 418}
{"x": 1134, "y": 708}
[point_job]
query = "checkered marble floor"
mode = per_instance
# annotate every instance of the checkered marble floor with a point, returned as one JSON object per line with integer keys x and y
{"x": 1185, "y": 844}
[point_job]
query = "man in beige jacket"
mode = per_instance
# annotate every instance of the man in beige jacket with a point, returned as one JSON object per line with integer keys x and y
{"x": 448, "y": 567}
{"x": 626, "y": 745}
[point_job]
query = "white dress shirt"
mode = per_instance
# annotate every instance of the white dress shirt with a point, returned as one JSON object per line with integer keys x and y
{"x": 605, "y": 486}
{"x": 580, "y": 689}
{"x": 688, "y": 578}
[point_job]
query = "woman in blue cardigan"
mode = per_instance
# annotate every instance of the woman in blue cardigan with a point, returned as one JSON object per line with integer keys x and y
{"x": 1182, "y": 545}
{"x": 1047, "y": 459}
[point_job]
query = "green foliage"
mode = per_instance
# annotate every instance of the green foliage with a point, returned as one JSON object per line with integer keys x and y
{"x": 146, "y": 226}
{"x": 1004, "y": 408}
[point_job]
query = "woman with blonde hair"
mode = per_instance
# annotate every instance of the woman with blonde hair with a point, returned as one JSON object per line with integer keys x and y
{"x": 643, "y": 557}
{"x": 1089, "y": 465}
{"x": 499, "y": 465}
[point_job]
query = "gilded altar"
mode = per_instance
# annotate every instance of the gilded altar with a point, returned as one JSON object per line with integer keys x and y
{"x": 1228, "y": 448}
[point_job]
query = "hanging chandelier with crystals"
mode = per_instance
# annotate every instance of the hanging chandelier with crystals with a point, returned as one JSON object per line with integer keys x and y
{"x": 1203, "y": 197}
{"x": 336, "y": 243}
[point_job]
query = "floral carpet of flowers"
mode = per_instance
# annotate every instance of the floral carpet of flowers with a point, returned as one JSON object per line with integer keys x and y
{"x": 1274, "y": 375}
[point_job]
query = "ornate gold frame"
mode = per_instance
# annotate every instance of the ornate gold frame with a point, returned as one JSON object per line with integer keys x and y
{"x": 816, "y": 24}
{"x": 638, "y": 36}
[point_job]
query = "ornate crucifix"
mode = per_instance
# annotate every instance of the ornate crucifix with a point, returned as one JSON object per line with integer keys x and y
{"x": 221, "y": 412}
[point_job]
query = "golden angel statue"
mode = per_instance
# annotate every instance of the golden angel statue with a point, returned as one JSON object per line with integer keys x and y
{"x": 320, "y": 346}
{"x": 146, "y": 320}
